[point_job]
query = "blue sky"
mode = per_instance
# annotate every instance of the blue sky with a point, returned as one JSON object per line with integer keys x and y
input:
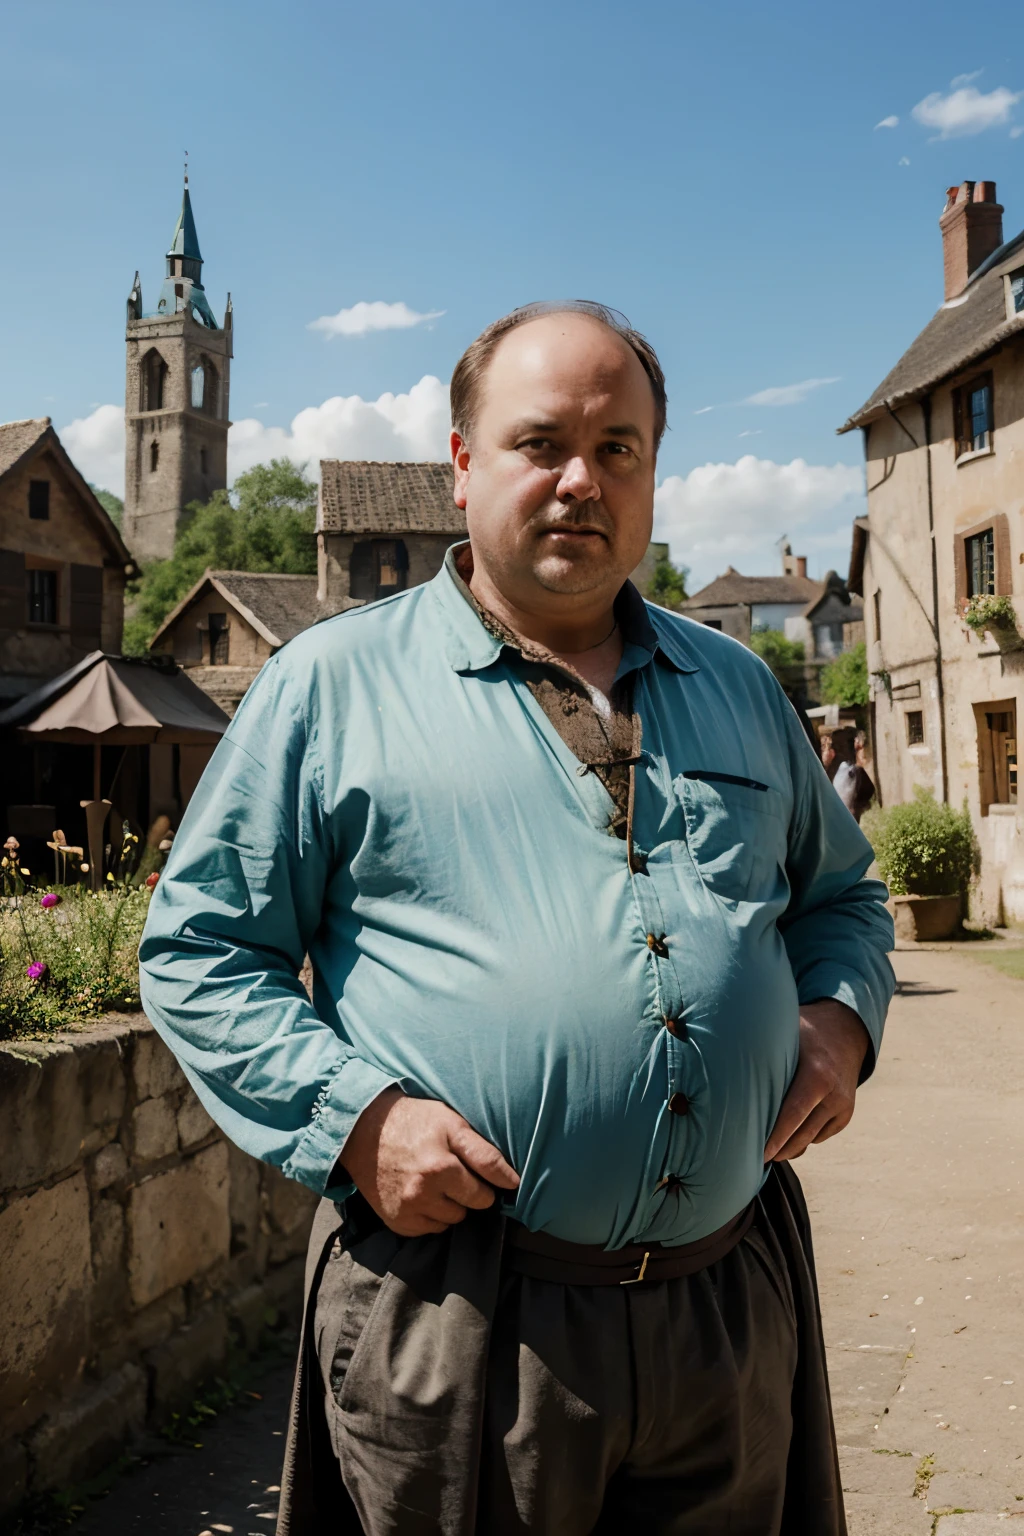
{"x": 715, "y": 171}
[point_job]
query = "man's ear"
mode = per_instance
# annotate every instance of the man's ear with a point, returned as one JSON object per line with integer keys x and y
{"x": 460, "y": 464}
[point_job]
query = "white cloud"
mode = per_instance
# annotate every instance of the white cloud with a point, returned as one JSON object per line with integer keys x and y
{"x": 721, "y": 514}
{"x": 788, "y": 394}
{"x": 95, "y": 443}
{"x": 975, "y": 74}
{"x": 376, "y": 316}
{"x": 704, "y": 410}
{"x": 966, "y": 110}
{"x": 409, "y": 426}
{"x": 1015, "y": 133}
{"x": 888, "y": 122}
{"x": 903, "y": 160}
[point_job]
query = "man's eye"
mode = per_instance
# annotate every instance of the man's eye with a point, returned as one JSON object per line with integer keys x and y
{"x": 617, "y": 448}
{"x": 539, "y": 444}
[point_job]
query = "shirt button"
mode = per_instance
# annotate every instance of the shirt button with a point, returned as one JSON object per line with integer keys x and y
{"x": 679, "y": 1104}
{"x": 676, "y": 1027}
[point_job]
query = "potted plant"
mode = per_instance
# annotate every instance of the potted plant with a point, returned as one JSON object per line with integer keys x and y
{"x": 997, "y": 617}
{"x": 927, "y": 854}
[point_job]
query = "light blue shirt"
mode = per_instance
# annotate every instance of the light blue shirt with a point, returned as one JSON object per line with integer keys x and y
{"x": 391, "y": 799}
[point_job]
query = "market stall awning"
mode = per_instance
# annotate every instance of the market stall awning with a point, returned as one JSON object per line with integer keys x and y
{"x": 119, "y": 701}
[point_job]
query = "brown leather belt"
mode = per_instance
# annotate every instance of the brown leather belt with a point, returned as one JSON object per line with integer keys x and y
{"x": 549, "y": 1258}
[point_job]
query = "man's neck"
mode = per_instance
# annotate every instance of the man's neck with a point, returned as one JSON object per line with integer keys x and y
{"x": 581, "y": 627}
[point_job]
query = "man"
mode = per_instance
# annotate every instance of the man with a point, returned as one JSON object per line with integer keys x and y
{"x": 593, "y": 957}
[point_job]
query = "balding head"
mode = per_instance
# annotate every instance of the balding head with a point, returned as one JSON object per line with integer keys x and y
{"x": 555, "y": 466}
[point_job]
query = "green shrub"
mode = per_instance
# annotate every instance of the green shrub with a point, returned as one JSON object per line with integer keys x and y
{"x": 773, "y": 647}
{"x": 845, "y": 680}
{"x": 923, "y": 848}
{"x": 667, "y": 587}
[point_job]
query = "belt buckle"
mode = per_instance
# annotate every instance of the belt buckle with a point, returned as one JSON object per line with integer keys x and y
{"x": 643, "y": 1271}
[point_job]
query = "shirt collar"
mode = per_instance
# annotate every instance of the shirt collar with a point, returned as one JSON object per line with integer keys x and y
{"x": 648, "y": 632}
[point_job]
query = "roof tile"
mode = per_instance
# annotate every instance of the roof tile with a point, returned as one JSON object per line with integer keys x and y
{"x": 362, "y": 496}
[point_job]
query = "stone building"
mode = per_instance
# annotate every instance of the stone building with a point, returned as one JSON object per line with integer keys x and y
{"x": 820, "y": 614}
{"x": 230, "y": 623}
{"x": 944, "y": 442}
{"x": 177, "y": 388}
{"x": 382, "y": 527}
{"x": 63, "y": 564}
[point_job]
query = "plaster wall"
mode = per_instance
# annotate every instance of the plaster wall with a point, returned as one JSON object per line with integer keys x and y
{"x": 902, "y": 655}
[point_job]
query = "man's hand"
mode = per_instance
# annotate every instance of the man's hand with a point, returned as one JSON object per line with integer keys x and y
{"x": 420, "y": 1165}
{"x": 833, "y": 1044}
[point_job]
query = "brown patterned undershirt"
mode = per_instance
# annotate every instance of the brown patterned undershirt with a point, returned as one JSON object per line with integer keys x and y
{"x": 598, "y": 738}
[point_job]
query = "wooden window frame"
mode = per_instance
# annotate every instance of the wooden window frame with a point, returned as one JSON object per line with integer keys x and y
{"x": 986, "y": 761}
{"x": 914, "y": 740}
{"x": 999, "y": 523}
{"x": 964, "y": 444}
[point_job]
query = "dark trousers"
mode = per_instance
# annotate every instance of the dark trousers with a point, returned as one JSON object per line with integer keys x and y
{"x": 445, "y": 1394}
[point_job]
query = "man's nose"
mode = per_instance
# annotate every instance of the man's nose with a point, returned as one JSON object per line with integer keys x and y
{"x": 578, "y": 481}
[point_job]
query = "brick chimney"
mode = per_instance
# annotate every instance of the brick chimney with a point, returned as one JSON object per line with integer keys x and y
{"x": 972, "y": 228}
{"x": 793, "y": 565}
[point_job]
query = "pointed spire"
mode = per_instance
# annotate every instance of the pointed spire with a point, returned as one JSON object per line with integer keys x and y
{"x": 185, "y": 241}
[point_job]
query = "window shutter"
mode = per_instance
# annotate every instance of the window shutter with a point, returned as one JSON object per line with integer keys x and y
{"x": 958, "y": 421}
{"x": 86, "y": 606}
{"x": 13, "y": 594}
{"x": 1004, "y": 571}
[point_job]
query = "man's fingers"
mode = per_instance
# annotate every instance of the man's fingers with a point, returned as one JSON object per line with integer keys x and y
{"x": 458, "y": 1184}
{"x": 480, "y": 1156}
{"x": 804, "y": 1095}
{"x": 803, "y": 1136}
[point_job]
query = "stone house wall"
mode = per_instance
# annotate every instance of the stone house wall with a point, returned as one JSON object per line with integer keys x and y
{"x": 137, "y": 1246}
{"x": 189, "y": 641}
{"x": 426, "y": 553}
{"x": 31, "y": 654}
{"x": 899, "y": 610}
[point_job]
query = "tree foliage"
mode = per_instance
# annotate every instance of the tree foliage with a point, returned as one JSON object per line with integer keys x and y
{"x": 667, "y": 587}
{"x": 111, "y": 504}
{"x": 774, "y": 648}
{"x": 845, "y": 680}
{"x": 265, "y": 523}
{"x": 923, "y": 848}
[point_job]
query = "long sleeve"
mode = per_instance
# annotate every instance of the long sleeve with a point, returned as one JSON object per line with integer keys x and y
{"x": 836, "y": 930}
{"x": 229, "y": 924}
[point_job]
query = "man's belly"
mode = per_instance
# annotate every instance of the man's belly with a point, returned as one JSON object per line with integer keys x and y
{"x": 620, "y": 1129}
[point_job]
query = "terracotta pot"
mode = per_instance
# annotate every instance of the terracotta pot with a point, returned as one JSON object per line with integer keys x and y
{"x": 923, "y": 918}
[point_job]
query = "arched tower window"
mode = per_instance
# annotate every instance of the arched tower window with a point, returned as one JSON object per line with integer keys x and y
{"x": 154, "y": 374}
{"x": 205, "y": 388}
{"x": 154, "y": 456}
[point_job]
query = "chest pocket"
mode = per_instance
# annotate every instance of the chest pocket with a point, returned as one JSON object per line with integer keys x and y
{"x": 736, "y": 833}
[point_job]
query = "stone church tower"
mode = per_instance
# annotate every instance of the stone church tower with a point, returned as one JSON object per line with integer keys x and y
{"x": 176, "y": 399}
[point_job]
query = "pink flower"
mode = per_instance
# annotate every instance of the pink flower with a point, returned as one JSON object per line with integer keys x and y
{"x": 50, "y": 900}
{"x": 36, "y": 970}
{"x": 152, "y": 879}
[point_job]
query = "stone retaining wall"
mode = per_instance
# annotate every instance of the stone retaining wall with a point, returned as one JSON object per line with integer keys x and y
{"x": 136, "y": 1246}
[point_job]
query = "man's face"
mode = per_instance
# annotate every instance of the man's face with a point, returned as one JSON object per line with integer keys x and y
{"x": 557, "y": 481}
